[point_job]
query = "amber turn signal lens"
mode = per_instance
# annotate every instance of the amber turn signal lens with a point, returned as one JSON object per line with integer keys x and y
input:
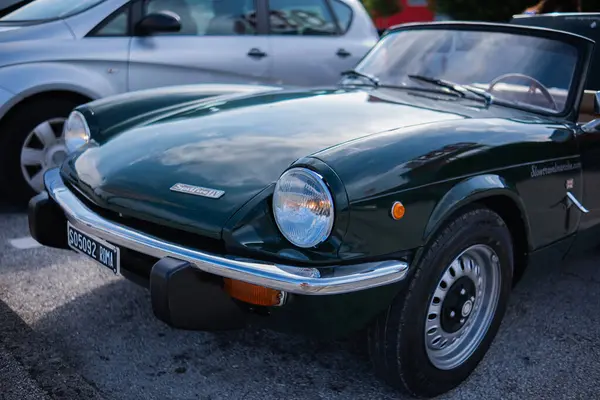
{"x": 398, "y": 210}
{"x": 253, "y": 294}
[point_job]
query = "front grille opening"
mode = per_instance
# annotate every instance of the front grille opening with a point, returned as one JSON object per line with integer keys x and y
{"x": 176, "y": 236}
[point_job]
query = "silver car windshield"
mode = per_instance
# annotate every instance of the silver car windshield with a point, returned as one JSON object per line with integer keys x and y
{"x": 528, "y": 71}
{"x": 40, "y": 10}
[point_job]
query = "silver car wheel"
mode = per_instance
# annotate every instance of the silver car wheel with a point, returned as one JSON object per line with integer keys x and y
{"x": 462, "y": 307}
{"x": 43, "y": 149}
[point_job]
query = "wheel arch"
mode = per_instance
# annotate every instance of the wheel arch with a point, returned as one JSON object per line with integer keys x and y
{"x": 493, "y": 192}
{"x": 23, "y": 101}
{"x": 11, "y": 137}
{"x": 27, "y": 80}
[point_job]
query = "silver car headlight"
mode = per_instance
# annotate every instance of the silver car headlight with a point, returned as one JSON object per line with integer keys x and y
{"x": 76, "y": 132}
{"x": 303, "y": 207}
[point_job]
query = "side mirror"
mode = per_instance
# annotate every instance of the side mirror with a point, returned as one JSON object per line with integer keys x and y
{"x": 162, "y": 21}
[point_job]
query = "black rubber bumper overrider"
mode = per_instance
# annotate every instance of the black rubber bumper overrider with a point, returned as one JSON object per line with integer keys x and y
{"x": 186, "y": 298}
{"x": 47, "y": 222}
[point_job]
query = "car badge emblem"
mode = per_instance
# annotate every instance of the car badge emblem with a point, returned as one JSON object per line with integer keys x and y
{"x": 569, "y": 183}
{"x": 197, "y": 191}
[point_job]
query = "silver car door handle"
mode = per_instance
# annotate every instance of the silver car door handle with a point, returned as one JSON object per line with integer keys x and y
{"x": 256, "y": 53}
{"x": 343, "y": 53}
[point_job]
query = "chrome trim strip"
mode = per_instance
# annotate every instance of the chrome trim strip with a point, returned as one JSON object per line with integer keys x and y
{"x": 572, "y": 197}
{"x": 287, "y": 278}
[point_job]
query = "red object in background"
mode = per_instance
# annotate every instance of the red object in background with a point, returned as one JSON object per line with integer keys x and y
{"x": 412, "y": 11}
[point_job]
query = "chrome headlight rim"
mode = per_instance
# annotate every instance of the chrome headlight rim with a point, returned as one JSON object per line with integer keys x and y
{"x": 319, "y": 180}
{"x": 80, "y": 139}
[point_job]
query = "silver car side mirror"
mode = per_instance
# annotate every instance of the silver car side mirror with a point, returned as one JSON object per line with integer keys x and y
{"x": 593, "y": 125}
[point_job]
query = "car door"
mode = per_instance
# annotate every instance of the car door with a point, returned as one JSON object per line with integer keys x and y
{"x": 588, "y": 194}
{"x": 219, "y": 42}
{"x": 313, "y": 41}
{"x": 105, "y": 50}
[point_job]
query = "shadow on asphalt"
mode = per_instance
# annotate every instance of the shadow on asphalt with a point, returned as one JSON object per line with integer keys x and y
{"x": 111, "y": 336}
{"x": 41, "y": 360}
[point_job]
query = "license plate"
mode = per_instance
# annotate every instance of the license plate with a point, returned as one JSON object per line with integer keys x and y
{"x": 95, "y": 248}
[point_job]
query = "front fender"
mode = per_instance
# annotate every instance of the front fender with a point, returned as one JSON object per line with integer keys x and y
{"x": 468, "y": 191}
{"x": 36, "y": 77}
{"x": 27, "y": 80}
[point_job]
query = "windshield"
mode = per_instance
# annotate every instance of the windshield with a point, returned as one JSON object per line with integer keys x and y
{"x": 40, "y": 10}
{"x": 526, "y": 71}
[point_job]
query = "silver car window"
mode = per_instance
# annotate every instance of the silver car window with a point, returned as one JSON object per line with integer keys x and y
{"x": 343, "y": 12}
{"x": 116, "y": 25}
{"x": 301, "y": 17}
{"x": 209, "y": 17}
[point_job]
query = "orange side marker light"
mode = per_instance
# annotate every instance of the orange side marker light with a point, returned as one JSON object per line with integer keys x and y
{"x": 398, "y": 210}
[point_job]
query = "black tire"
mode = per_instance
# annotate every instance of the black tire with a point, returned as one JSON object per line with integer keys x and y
{"x": 396, "y": 340}
{"x": 14, "y": 131}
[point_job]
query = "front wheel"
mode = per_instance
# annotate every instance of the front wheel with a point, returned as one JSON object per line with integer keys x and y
{"x": 433, "y": 336}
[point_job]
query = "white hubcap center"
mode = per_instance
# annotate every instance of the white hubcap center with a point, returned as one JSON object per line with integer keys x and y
{"x": 467, "y": 308}
{"x": 55, "y": 156}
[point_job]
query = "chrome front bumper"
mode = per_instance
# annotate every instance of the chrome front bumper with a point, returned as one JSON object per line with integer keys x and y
{"x": 287, "y": 278}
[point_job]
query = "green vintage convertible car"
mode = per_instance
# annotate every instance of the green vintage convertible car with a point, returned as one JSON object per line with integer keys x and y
{"x": 404, "y": 202}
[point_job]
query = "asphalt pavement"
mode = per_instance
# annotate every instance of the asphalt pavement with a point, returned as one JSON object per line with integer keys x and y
{"x": 70, "y": 329}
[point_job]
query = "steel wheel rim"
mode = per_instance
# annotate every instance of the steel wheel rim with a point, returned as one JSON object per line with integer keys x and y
{"x": 43, "y": 148}
{"x": 447, "y": 348}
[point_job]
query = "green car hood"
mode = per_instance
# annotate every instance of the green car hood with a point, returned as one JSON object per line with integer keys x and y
{"x": 240, "y": 146}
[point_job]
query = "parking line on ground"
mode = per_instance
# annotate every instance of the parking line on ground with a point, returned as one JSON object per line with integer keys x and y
{"x": 24, "y": 243}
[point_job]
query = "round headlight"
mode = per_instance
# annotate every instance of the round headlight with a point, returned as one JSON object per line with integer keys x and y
{"x": 76, "y": 132}
{"x": 303, "y": 207}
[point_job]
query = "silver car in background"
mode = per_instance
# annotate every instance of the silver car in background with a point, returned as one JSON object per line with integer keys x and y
{"x": 57, "y": 54}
